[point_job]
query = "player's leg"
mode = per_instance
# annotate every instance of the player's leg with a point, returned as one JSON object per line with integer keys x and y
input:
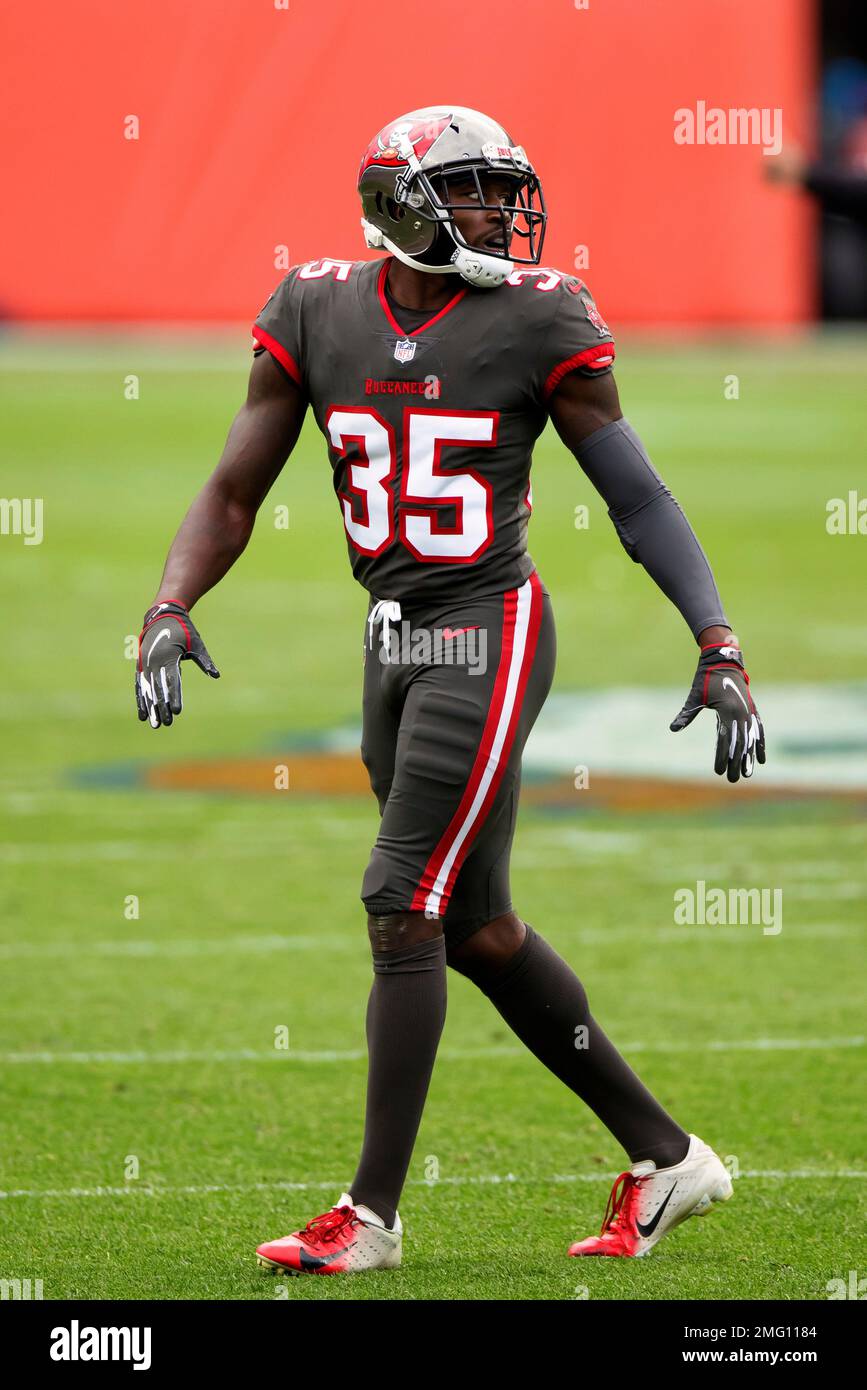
{"x": 406, "y": 1005}
{"x": 459, "y": 723}
{"x": 535, "y": 990}
{"x": 405, "y": 1016}
{"x": 457, "y": 728}
{"x": 545, "y": 1004}
{"x": 543, "y": 1001}
{"x": 674, "y": 1174}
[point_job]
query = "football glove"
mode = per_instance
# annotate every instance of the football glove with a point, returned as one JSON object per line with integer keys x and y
{"x": 168, "y": 637}
{"x": 722, "y": 684}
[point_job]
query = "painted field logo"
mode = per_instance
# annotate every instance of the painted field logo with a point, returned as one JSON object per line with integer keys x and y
{"x": 729, "y": 907}
{"x": 77, "y": 1343}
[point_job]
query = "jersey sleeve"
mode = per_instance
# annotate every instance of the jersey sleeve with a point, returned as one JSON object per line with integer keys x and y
{"x": 278, "y": 327}
{"x": 576, "y": 339}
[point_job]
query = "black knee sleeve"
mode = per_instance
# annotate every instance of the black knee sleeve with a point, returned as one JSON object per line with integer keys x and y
{"x": 424, "y": 957}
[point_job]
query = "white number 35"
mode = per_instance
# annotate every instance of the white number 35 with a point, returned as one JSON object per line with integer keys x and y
{"x": 425, "y": 486}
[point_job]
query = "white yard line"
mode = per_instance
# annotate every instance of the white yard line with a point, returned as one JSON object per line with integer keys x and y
{"x": 275, "y": 942}
{"x": 136, "y": 1189}
{"x": 446, "y": 1054}
{"x": 254, "y": 945}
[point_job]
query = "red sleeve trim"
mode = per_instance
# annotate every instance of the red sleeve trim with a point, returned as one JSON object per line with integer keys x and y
{"x": 599, "y": 356}
{"x": 286, "y": 360}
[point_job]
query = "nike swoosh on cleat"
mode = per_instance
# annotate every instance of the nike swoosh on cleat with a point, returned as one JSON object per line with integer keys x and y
{"x": 317, "y": 1261}
{"x": 652, "y": 1225}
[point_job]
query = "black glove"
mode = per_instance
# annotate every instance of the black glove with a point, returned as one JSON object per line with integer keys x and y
{"x": 168, "y": 637}
{"x": 722, "y": 684}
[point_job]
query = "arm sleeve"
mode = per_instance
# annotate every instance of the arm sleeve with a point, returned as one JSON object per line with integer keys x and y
{"x": 278, "y": 327}
{"x": 650, "y": 523}
{"x": 575, "y": 339}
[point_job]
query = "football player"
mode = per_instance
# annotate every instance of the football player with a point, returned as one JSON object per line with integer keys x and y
{"x": 431, "y": 373}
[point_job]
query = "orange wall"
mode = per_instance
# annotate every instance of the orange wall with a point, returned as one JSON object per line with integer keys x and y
{"x": 253, "y": 120}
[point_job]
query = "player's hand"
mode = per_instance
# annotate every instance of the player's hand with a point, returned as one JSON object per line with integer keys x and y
{"x": 168, "y": 637}
{"x": 722, "y": 684}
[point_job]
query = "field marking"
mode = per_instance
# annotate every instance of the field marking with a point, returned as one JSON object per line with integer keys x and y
{"x": 136, "y": 1189}
{"x": 90, "y": 851}
{"x": 446, "y": 1054}
{"x": 169, "y": 949}
{"x": 137, "y": 949}
{"x": 120, "y": 850}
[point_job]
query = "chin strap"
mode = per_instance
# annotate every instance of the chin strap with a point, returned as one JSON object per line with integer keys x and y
{"x": 485, "y": 272}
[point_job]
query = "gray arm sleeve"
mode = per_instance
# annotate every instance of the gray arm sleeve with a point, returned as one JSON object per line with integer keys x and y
{"x": 650, "y": 523}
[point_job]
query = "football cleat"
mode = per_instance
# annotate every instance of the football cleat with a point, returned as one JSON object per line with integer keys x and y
{"x": 648, "y": 1202}
{"x": 342, "y": 1241}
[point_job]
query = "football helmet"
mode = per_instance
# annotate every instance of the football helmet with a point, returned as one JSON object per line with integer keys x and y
{"x": 405, "y": 200}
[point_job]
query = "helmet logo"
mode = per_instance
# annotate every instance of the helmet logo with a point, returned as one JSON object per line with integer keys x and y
{"x": 385, "y": 148}
{"x": 404, "y": 350}
{"x": 389, "y": 148}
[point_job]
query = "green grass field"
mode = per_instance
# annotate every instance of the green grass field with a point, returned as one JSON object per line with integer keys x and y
{"x": 150, "y": 1133}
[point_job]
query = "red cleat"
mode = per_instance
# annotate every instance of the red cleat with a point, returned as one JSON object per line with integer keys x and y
{"x": 648, "y": 1202}
{"x": 339, "y": 1242}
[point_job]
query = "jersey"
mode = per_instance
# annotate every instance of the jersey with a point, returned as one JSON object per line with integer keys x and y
{"x": 430, "y": 426}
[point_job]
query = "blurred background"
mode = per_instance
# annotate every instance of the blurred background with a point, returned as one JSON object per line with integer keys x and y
{"x": 170, "y": 899}
{"x": 252, "y": 121}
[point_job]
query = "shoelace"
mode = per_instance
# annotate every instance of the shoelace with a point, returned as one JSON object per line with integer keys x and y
{"x": 323, "y": 1229}
{"x": 385, "y": 611}
{"x": 615, "y": 1214}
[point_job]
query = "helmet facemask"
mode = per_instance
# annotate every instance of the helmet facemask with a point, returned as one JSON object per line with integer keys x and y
{"x": 523, "y": 215}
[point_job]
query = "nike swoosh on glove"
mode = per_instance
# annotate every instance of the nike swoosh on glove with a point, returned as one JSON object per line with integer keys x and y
{"x": 722, "y": 684}
{"x": 168, "y": 637}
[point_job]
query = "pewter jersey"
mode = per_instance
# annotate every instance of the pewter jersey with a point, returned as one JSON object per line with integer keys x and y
{"x": 430, "y": 425}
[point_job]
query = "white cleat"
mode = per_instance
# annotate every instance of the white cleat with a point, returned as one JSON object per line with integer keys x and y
{"x": 346, "y": 1240}
{"x": 648, "y": 1202}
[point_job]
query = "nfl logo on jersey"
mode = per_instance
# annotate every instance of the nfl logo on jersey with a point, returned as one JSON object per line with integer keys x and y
{"x": 404, "y": 350}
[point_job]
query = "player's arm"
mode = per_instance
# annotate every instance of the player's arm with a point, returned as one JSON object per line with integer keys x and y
{"x": 213, "y": 534}
{"x": 586, "y": 413}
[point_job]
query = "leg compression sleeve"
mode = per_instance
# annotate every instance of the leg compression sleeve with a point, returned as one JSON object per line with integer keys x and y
{"x": 405, "y": 1017}
{"x": 545, "y": 1004}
